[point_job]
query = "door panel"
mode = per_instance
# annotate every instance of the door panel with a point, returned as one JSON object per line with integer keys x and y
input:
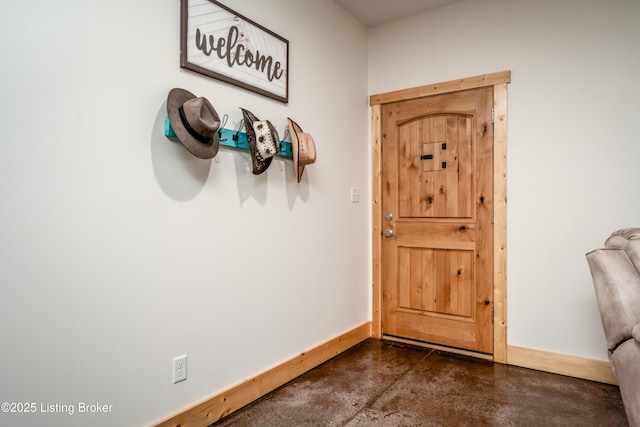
{"x": 437, "y": 174}
{"x": 439, "y": 281}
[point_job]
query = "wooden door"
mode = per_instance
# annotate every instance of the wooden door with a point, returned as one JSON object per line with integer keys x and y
{"x": 437, "y": 201}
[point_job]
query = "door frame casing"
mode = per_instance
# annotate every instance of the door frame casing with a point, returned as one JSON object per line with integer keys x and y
{"x": 499, "y": 81}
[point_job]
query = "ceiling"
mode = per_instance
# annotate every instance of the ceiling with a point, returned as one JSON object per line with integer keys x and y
{"x": 376, "y": 12}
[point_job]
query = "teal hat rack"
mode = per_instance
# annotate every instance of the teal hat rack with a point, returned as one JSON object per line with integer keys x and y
{"x": 234, "y": 139}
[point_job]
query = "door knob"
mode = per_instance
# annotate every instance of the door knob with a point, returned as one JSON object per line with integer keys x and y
{"x": 389, "y": 233}
{"x": 388, "y": 216}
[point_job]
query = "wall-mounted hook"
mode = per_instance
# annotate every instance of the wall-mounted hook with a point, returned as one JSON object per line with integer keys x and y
{"x": 235, "y": 139}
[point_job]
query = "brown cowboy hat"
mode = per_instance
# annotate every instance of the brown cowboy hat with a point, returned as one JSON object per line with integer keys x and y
{"x": 263, "y": 139}
{"x": 195, "y": 122}
{"x": 303, "y": 146}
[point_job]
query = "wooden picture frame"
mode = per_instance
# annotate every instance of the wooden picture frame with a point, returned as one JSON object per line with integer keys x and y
{"x": 222, "y": 44}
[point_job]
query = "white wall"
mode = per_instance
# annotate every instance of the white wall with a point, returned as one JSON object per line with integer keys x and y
{"x": 572, "y": 139}
{"x": 119, "y": 250}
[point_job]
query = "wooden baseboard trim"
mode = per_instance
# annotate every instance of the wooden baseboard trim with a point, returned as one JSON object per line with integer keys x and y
{"x": 222, "y": 404}
{"x": 563, "y": 364}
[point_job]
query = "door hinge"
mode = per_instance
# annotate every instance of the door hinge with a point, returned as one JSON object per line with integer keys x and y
{"x": 492, "y": 316}
{"x": 493, "y": 115}
{"x": 492, "y": 215}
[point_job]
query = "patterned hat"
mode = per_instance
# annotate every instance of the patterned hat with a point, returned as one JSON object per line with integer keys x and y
{"x": 264, "y": 142}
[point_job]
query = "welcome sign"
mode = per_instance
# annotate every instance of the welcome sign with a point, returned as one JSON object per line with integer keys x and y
{"x": 222, "y": 44}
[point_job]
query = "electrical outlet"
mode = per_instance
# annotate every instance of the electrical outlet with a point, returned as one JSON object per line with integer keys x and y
{"x": 355, "y": 195}
{"x": 179, "y": 368}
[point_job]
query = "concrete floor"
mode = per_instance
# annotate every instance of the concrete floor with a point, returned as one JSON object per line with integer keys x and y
{"x": 380, "y": 383}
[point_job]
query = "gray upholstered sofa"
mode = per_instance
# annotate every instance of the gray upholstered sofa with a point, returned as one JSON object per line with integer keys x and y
{"x": 616, "y": 276}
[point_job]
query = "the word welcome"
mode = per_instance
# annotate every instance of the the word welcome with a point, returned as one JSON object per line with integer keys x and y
{"x": 233, "y": 52}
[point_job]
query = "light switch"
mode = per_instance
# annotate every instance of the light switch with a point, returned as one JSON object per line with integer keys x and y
{"x": 355, "y": 195}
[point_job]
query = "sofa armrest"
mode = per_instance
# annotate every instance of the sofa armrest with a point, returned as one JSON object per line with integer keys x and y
{"x": 627, "y": 239}
{"x": 617, "y": 285}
